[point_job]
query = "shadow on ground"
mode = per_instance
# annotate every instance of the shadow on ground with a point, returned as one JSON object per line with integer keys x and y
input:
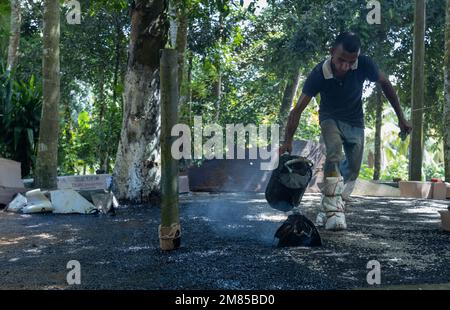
{"x": 227, "y": 243}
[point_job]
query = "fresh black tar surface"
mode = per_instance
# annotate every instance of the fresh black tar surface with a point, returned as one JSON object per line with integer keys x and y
{"x": 226, "y": 243}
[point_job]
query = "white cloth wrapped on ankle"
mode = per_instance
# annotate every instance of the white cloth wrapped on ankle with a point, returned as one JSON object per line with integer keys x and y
{"x": 332, "y": 205}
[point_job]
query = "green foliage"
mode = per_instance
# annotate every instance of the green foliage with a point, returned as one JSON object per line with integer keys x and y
{"x": 366, "y": 172}
{"x": 395, "y": 153}
{"x": 78, "y": 146}
{"x": 397, "y": 168}
{"x": 216, "y": 42}
{"x": 88, "y": 140}
{"x": 434, "y": 170}
{"x": 5, "y": 12}
{"x": 309, "y": 128}
{"x": 19, "y": 123}
{"x": 253, "y": 54}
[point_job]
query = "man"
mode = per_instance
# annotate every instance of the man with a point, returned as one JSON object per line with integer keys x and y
{"x": 339, "y": 80}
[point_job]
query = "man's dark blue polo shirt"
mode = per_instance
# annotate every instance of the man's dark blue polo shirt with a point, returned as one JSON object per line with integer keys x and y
{"x": 341, "y": 99}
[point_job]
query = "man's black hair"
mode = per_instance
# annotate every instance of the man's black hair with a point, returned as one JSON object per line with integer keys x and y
{"x": 349, "y": 40}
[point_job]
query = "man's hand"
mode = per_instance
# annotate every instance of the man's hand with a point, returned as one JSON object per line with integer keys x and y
{"x": 391, "y": 95}
{"x": 404, "y": 126}
{"x": 286, "y": 147}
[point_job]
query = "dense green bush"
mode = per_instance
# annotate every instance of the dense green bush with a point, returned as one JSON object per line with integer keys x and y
{"x": 20, "y": 107}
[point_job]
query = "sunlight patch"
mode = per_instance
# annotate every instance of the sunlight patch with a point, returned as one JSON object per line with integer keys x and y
{"x": 426, "y": 210}
{"x": 137, "y": 248}
{"x": 4, "y": 241}
{"x": 266, "y": 217}
{"x": 45, "y": 236}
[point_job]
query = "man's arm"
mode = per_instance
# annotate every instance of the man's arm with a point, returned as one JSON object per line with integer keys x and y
{"x": 292, "y": 123}
{"x": 391, "y": 95}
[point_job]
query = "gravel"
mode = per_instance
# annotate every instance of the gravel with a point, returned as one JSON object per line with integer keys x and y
{"x": 227, "y": 243}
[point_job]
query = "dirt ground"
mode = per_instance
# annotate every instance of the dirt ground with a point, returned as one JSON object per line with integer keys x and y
{"x": 227, "y": 243}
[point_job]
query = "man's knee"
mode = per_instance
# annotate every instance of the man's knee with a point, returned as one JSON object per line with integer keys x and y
{"x": 333, "y": 140}
{"x": 332, "y": 159}
{"x": 354, "y": 166}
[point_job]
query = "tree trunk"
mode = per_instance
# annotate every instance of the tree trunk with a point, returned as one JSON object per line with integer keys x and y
{"x": 104, "y": 167}
{"x": 14, "y": 38}
{"x": 47, "y": 157}
{"x": 288, "y": 100}
{"x": 181, "y": 43}
{"x": 217, "y": 93}
{"x": 217, "y": 85}
{"x": 378, "y": 124}
{"x": 370, "y": 159}
{"x": 173, "y": 23}
{"x": 118, "y": 57}
{"x": 416, "y": 145}
{"x": 189, "y": 88}
{"x": 137, "y": 173}
{"x": 103, "y": 135}
{"x": 68, "y": 129}
{"x": 117, "y": 73}
{"x": 447, "y": 96}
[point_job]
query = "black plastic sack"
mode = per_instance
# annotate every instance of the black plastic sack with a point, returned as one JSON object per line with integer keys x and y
{"x": 298, "y": 230}
{"x": 288, "y": 182}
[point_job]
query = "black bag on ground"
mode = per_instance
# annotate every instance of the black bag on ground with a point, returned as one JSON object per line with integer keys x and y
{"x": 288, "y": 182}
{"x": 298, "y": 230}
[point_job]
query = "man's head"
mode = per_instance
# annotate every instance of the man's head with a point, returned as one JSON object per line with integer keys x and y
{"x": 345, "y": 52}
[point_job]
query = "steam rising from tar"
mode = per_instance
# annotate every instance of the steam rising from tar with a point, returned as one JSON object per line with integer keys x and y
{"x": 242, "y": 217}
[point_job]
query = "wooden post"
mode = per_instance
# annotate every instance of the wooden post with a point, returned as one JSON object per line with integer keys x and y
{"x": 169, "y": 230}
{"x": 416, "y": 145}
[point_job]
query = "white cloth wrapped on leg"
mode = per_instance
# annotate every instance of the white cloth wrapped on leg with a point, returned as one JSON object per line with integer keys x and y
{"x": 332, "y": 206}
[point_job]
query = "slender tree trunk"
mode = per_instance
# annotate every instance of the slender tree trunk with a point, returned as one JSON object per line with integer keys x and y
{"x": 47, "y": 157}
{"x": 447, "y": 96}
{"x": 68, "y": 128}
{"x": 105, "y": 162}
{"x": 14, "y": 38}
{"x": 13, "y": 49}
{"x": 288, "y": 100}
{"x": 173, "y": 23}
{"x": 416, "y": 145}
{"x": 378, "y": 124}
{"x": 117, "y": 74}
{"x": 189, "y": 88}
{"x": 137, "y": 172}
{"x": 217, "y": 86}
{"x": 182, "y": 32}
{"x": 118, "y": 57}
{"x": 218, "y": 93}
{"x": 101, "y": 99}
{"x": 178, "y": 37}
{"x": 370, "y": 159}
{"x": 103, "y": 149}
